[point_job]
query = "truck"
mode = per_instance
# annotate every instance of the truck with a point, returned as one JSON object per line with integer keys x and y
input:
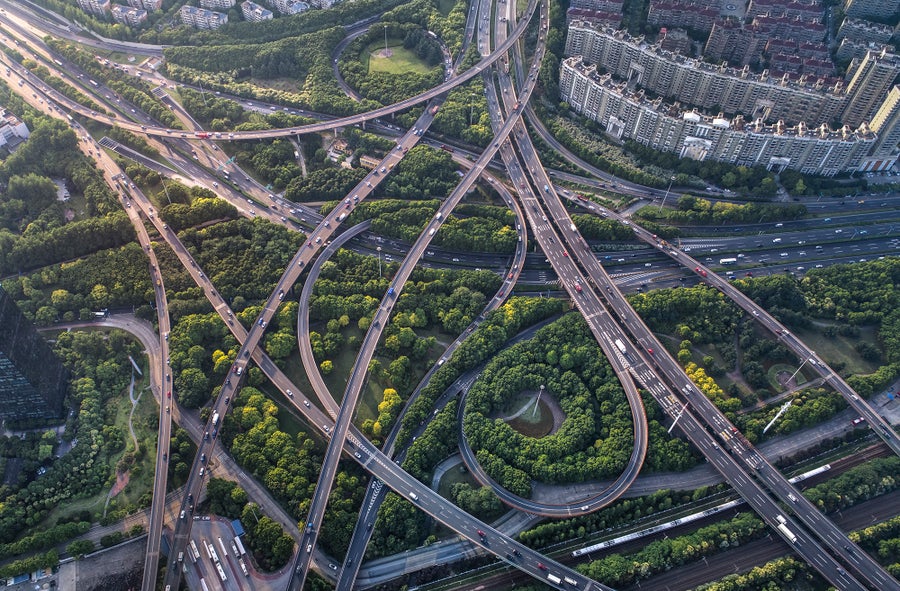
{"x": 435, "y": 109}
{"x": 573, "y": 228}
{"x": 553, "y": 579}
{"x": 787, "y": 533}
{"x": 728, "y": 261}
{"x": 215, "y": 420}
{"x": 570, "y": 581}
{"x": 621, "y": 346}
{"x": 445, "y": 148}
{"x": 202, "y": 135}
{"x": 94, "y": 83}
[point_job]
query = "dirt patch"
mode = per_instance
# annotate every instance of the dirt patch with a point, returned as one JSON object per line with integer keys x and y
{"x": 384, "y": 53}
{"x": 122, "y": 479}
{"x": 785, "y": 380}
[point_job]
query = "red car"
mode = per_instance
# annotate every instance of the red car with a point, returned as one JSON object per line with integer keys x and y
{"x": 565, "y": 253}
{"x": 481, "y": 533}
{"x": 170, "y": 393}
{"x": 541, "y": 566}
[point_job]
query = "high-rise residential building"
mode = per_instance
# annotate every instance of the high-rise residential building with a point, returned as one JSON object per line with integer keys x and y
{"x": 804, "y": 9}
{"x": 863, "y": 31}
{"x": 628, "y": 114}
{"x": 128, "y": 15}
{"x": 886, "y": 124}
{"x": 688, "y": 14}
{"x": 878, "y": 9}
{"x": 200, "y": 18}
{"x": 869, "y": 85}
{"x": 97, "y": 7}
{"x": 33, "y": 381}
{"x": 809, "y": 99}
{"x": 255, "y": 13}
{"x": 217, "y": 4}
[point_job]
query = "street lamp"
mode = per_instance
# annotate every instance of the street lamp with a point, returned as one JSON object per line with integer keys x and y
{"x": 666, "y": 196}
{"x": 379, "y": 261}
{"x": 538, "y": 401}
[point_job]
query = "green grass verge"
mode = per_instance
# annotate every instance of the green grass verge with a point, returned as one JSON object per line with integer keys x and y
{"x": 402, "y": 61}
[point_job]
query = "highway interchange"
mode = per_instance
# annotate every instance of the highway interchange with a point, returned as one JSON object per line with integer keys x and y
{"x": 552, "y": 228}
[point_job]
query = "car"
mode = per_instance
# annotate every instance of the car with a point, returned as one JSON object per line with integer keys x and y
{"x": 332, "y": 566}
{"x": 565, "y": 253}
{"x": 541, "y": 566}
{"x": 289, "y": 393}
{"x": 838, "y": 231}
{"x": 308, "y": 548}
{"x": 306, "y": 403}
{"x": 481, "y": 533}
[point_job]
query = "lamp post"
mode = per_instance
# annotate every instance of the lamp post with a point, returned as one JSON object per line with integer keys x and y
{"x": 538, "y": 401}
{"x": 666, "y": 196}
{"x": 385, "y": 41}
{"x": 379, "y": 261}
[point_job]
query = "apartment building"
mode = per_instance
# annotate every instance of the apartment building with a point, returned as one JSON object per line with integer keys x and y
{"x": 814, "y": 100}
{"x": 96, "y": 7}
{"x": 201, "y": 18}
{"x": 806, "y": 10}
{"x": 886, "y": 125}
{"x": 687, "y": 14}
{"x": 869, "y": 86}
{"x": 289, "y": 7}
{"x": 127, "y": 15}
{"x": 13, "y": 130}
{"x": 217, "y": 4}
{"x": 849, "y": 50}
{"x": 731, "y": 41}
{"x": 628, "y": 114}
{"x": 255, "y": 13}
{"x": 863, "y": 31}
{"x": 877, "y": 9}
{"x": 148, "y": 5}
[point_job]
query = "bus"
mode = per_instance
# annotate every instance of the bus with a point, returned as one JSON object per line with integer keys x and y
{"x": 94, "y": 83}
{"x": 194, "y": 552}
{"x": 208, "y": 549}
{"x": 243, "y": 567}
{"x": 221, "y": 572}
{"x": 203, "y": 585}
{"x": 728, "y": 261}
{"x": 240, "y": 546}
{"x": 224, "y": 549}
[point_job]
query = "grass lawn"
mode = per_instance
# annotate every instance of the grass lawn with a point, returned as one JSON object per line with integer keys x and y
{"x": 403, "y": 61}
{"x": 445, "y": 6}
{"x": 452, "y": 476}
{"x": 534, "y": 424}
{"x": 838, "y": 349}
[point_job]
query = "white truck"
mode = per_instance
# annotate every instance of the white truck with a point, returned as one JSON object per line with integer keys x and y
{"x": 554, "y": 579}
{"x": 215, "y": 418}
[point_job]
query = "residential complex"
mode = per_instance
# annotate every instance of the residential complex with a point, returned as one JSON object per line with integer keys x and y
{"x": 200, "y": 18}
{"x": 791, "y": 115}
{"x": 255, "y": 13}
{"x": 33, "y": 382}
{"x": 628, "y": 114}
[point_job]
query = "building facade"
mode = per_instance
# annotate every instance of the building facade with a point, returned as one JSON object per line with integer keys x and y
{"x": 869, "y": 86}
{"x": 255, "y": 13}
{"x": 886, "y": 124}
{"x": 96, "y": 7}
{"x": 13, "y": 130}
{"x": 127, "y": 15}
{"x": 148, "y": 5}
{"x": 813, "y": 100}
{"x": 878, "y": 9}
{"x": 200, "y": 18}
{"x": 217, "y": 4}
{"x": 628, "y": 114}
{"x": 33, "y": 381}
{"x": 289, "y": 7}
